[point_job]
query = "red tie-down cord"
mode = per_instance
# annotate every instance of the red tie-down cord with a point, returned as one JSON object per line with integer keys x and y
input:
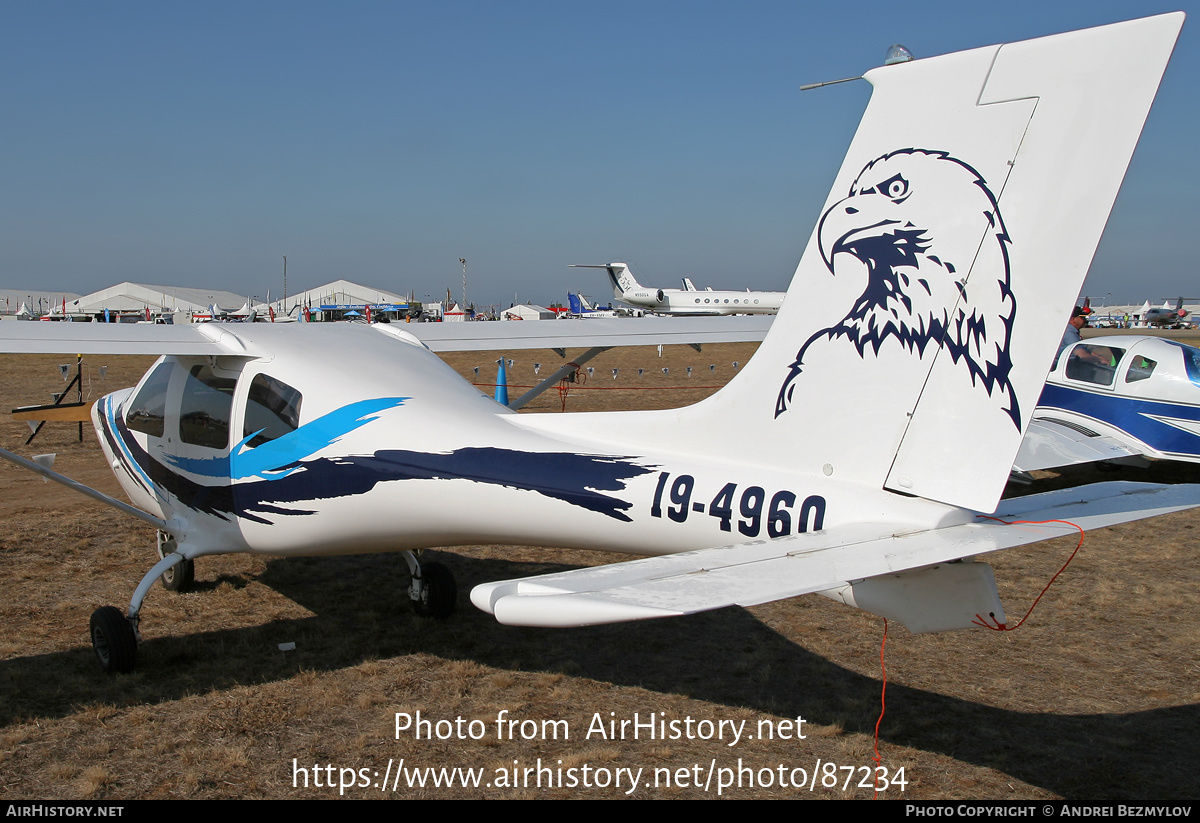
{"x": 994, "y": 625}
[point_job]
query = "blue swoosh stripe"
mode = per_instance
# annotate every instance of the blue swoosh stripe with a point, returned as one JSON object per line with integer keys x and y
{"x": 277, "y": 458}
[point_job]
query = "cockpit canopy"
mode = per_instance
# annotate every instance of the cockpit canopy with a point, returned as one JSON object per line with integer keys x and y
{"x": 197, "y": 401}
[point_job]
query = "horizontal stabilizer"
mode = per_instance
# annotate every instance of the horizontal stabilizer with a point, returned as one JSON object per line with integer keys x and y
{"x": 762, "y": 571}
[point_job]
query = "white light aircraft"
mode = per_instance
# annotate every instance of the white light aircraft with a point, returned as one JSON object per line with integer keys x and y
{"x": 688, "y": 301}
{"x": 852, "y": 456}
{"x": 1110, "y": 398}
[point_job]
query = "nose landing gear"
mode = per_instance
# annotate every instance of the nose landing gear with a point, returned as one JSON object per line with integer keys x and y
{"x": 115, "y": 636}
{"x": 114, "y": 639}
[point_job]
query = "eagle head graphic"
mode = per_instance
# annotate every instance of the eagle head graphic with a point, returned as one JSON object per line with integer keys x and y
{"x": 918, "y": 222}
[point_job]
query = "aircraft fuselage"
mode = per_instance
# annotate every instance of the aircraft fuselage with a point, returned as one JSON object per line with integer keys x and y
{"x": 681, "y": 302}
{"x": 311, "y": 453}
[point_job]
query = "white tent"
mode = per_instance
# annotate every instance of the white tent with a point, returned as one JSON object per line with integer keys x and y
{"x": 337, "y": 293}
{"x": 527, "y": 311}
{"x": 137, "y": 297}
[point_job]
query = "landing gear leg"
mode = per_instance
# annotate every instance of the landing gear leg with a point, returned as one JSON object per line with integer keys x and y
{"x": 433, "y": 591}
{"x": 115, "y": 636}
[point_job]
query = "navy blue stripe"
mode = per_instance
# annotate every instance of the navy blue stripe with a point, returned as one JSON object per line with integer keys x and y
{"x": 1129, "y": 415}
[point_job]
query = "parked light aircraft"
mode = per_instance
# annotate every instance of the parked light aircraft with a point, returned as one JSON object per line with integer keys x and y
{"x": 687, "y": 301}
{"x": 1109, "y": 398}
{"x": 851, "y": 456}
{"x": 581, "y": 307}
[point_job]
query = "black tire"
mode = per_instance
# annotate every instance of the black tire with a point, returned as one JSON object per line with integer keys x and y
{"x": 181, "y": 577}
{"x": 439, "y": 593}
{"x": 113, "y": 640}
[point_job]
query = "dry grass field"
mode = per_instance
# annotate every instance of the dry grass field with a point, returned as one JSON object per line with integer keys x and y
{"x": 1097, "y": 696}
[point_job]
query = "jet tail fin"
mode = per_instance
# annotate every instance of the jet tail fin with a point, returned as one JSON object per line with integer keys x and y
{"x": 622, "y": 279}
{"x": 619, "y": 276}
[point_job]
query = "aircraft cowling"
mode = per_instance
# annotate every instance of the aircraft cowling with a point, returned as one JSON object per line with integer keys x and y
{"x": 660, "y": 297}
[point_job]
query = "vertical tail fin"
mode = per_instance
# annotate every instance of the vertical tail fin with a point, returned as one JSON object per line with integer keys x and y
{"x": 946, "y": 261}
{"x": 622, "y": 279}
{"x": 619, "y": 276}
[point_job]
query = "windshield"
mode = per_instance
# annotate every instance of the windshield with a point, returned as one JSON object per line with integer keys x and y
{"x": 148, "y": 408}
{"x": 1191, "y": 361}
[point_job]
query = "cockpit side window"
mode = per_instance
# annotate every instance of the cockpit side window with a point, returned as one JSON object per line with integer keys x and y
{"x": 149, "y": 406}
{"x": 272, "y": 410}
{"x": 1093, "y": 363}
{"x": 1140, "y": 369}
{"x": 205, "y": 410}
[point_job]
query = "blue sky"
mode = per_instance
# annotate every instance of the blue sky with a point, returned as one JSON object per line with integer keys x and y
{"x": 198, "y": 143}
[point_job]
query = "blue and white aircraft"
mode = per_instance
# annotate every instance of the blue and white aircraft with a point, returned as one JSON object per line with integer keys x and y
{"x": 852, "y": 456}
{"x": 583, "y": 308}
{"x": 1125, "y": 395}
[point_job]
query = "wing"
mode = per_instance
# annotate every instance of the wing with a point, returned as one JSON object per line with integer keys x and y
{"x": 119, "y": 338}
{"x": 762, "y": 571}
{"x": 615, "y": 331}
{"x": 261, "y": 339}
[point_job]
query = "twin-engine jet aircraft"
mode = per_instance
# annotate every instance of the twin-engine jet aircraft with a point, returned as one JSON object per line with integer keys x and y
{"x": 852, "y": 456}
{"x": 1165, "y": 316}
{"x": 688, "y": 301}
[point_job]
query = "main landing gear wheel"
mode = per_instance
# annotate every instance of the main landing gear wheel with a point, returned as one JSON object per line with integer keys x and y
{"x": 182, "y": 576}
{"x": 438, "y": 592}
{"x": 113, "y": 640}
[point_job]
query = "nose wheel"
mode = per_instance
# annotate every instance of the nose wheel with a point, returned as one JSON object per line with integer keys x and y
{"x": 114, "y": 640}
{"x": 115, "y": 634}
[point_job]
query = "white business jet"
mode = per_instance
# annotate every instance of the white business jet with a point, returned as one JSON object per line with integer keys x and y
{"x": 852, "y": 456}
{"x": 688, "y": 301}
